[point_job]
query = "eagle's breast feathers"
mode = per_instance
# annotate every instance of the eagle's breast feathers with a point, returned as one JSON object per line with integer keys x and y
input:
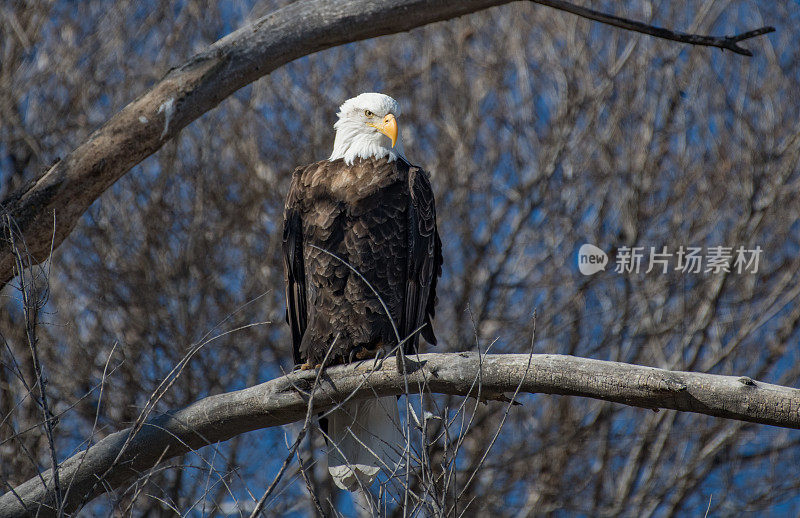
{"x": 364, "y": 237}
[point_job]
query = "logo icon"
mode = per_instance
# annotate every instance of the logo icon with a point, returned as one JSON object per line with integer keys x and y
{"x": 591, "y": 259}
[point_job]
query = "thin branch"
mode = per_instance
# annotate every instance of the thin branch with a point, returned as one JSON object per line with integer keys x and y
{"x": 285, "y": 400}
{"x": 309, "y": 407}
{"x": 31, "y": 305}
{"x": 309, "y": 487}
{"x": 722, "y": 42}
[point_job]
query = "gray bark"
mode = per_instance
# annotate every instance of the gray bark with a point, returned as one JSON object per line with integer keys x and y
{"x": 46, "y": 210}
{"x": 280, "y": 401}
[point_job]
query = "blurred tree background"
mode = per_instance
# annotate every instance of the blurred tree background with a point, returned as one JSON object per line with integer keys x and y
{"x": 542, "y": 131}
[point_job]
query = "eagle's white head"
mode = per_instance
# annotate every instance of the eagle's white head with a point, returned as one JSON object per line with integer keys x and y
{"x": 367, "y": 127}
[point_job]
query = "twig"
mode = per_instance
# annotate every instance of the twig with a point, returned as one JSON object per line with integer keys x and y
{"x": 159, "y": 392}
{"x": 97, "y": 410}
{"x": 31, "y": 305}
{"x": 509, "y": 405}
{"x": 259, "y": 506}
{"x": 309, "y": 486}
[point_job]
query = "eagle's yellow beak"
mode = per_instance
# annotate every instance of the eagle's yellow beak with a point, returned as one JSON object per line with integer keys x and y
{"x": 389, "y": 127}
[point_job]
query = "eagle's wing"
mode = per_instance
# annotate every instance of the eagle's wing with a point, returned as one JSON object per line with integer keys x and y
{"x": 293, "y": 266}
{"x": 424, "y": 261}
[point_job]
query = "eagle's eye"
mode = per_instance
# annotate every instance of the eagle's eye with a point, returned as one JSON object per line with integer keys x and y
{"x": 368, "y": 113}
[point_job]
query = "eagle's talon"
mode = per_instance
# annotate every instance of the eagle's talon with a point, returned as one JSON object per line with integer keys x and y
{"x": 307, "y": 366}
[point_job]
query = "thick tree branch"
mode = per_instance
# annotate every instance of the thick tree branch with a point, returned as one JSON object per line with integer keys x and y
{"x": 58, "y": 198}
{"x": 280, "y": 401}
{"x": 186, "y": 92}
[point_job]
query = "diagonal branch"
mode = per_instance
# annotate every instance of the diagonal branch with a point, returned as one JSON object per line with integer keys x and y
{"x": 722, "y": 42}
{"x": 186, "y": 92}
{"x": 285, "y": 400}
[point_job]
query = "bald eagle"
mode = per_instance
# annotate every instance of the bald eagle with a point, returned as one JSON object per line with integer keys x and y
{"x": 361, "y": 258}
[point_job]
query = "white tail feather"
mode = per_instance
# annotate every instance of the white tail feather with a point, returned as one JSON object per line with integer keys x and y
{"x": 364, "y": 437}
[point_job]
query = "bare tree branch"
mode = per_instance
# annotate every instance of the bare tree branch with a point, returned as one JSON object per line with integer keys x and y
{"x": 285, "y": 400}
{"x": 722, "y": 42}
{"x": 69, "y": 186}
{"x": 195, "y": 87}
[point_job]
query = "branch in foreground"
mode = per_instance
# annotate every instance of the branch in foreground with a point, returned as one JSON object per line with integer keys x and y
{"x": 65, "y": 190}
{"x": 280, "y": 401}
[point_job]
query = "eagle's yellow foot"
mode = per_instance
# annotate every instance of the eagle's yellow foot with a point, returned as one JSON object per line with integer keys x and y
{"x": 308, "y": 366}
{"x": 362, "y": 353}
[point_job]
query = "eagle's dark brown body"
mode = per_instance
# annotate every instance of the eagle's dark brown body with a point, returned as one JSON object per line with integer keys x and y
{"x": 374, "y": 218}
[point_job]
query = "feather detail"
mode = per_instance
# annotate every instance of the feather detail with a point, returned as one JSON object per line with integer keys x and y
{"x": 356, "y": 134}
{"x": 364, "y": 437}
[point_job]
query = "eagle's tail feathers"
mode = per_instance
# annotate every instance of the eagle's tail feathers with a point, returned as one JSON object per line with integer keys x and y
{"x": 364, "y": 437}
